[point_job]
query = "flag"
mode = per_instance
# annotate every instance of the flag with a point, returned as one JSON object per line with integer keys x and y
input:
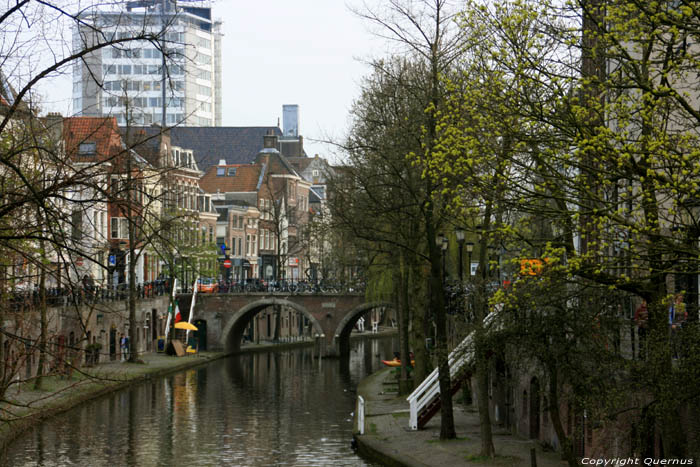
{"x": 178, "y": 316}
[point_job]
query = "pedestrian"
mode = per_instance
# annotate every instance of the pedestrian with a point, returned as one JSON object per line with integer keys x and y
{"x": 122, "y": 346}
{"x": 126, "y": 346}
{"x": 641, "y": 318}
{"x": 677, "y": 316}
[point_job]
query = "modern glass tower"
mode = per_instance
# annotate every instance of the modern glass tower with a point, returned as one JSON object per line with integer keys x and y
{"x": 128, "y": 80}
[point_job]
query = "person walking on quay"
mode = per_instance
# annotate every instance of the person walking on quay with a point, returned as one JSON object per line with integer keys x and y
{"x": 677, "y": 316}
{"x": 126, "y": 347}
{"x": 641, "y": 319}
{"x": 122, "y": 346}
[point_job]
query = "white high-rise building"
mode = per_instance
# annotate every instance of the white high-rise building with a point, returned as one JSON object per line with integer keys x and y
{"x": 126, "y": 80}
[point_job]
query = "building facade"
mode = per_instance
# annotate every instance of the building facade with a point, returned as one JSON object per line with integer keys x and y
{"x": 128, "y": 80}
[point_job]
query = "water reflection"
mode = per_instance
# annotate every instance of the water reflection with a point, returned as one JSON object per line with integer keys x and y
{"x": 283, "y": 408}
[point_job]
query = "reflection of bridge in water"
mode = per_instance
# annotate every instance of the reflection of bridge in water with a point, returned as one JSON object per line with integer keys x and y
{"x": 227, "y": 316}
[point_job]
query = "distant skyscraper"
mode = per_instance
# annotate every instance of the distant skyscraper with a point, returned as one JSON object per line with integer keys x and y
{"x": 126, "y": 81}
{"x": 290, "y": 120}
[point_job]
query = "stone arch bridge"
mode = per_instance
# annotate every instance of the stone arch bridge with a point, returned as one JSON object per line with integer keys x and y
{"x": 332, "y": 316}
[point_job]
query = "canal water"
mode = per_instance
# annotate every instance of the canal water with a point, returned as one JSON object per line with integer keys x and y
{"x": 278, "y": 408}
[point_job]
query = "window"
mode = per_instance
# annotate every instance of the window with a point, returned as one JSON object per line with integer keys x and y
{"x": 220, "y": 171}
{"x": 315, "y": 173}
{"x": 240, "y": 246}
{"x": 120, "y": 228}
{"x": 202, "y": 59}
{"x": 87, "y": 148}
{"x": 77, "y": 225}
{"x": 247, "y": 245}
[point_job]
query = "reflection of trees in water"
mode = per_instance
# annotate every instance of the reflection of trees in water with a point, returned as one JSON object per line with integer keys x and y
{"x": 263, "y": 409}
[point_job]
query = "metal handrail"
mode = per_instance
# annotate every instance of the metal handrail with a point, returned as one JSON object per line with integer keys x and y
{"x": 430, "y": 387}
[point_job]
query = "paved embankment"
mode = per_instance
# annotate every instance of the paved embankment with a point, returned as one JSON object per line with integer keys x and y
{"x": 26, "y": 406}
{"x": 388, "y": 440}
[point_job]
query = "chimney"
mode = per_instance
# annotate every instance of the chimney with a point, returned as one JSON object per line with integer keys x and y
{"x": 222, "y": 161}
{"x": 270, "y": 140}
{"x": 54, "y": 125}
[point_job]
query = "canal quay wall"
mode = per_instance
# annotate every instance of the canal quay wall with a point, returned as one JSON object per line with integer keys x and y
{"x": 27, "y": 407}
{"x": 388, "y": 440}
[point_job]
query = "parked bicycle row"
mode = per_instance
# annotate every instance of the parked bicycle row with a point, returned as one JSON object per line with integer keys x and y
{"x": 87, "y": 293}
{"x": 292, "y": 287}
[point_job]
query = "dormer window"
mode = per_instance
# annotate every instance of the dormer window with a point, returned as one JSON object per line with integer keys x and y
{"x": 220, "y": 171}
{"x": 231, "y": 171}
{"x": 87, "y": 149}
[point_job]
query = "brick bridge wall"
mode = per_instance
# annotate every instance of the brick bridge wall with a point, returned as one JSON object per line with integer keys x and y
{"x": 227, "y": 315}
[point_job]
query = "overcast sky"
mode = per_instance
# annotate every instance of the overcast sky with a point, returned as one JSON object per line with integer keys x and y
{"x": 275, "y": 52}
{"x": 301, "y": 52}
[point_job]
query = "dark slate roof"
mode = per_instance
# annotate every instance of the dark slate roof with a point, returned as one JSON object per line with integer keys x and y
{"x": 237, "y": 145}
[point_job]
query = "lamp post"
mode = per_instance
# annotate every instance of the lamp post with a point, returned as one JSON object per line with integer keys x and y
{"x": 459, "y": 233}
{"x": 442, "y": 242}
{"x": 470, "y": 249}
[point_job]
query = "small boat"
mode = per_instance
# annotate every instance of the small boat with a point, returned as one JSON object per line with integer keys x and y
{"x": 396, "y": 362}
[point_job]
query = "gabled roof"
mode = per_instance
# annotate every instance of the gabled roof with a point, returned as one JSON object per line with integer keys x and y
{"x": 236, "y": 145}
{"x": 102, "y": 131}
{"x": 245, "y": 179}
{"x": 300, "y": 163}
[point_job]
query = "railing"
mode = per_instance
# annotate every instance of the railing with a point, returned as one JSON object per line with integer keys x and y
{"x": 429, "y": 389}
{"x": 289, "y": 287}
{"x": 56, "y": 296}
{"x": 361, "y": 415}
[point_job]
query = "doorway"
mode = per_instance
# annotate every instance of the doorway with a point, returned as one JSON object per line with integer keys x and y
{"x": 534, "y": 409}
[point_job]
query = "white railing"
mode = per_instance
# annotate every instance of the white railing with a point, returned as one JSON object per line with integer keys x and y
{"x": 361, "y": 415}
{"x": 429, "y": 389}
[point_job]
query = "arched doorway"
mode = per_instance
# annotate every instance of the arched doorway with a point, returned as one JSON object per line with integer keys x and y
{"x": 534, "y": 408}
{"x": 201, "y": 334}
{"x": 113, "y": 343}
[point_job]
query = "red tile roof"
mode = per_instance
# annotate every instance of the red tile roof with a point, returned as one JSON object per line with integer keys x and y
{"x": 102, "y": 131}
{"x": 245, "y": 180}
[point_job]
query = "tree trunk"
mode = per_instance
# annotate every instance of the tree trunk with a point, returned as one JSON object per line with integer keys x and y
{"x": 567, "y": 451}
{"x": 405, "y": 382}
{"x": 437, "y": 310}
{"x": 43, "y": 326}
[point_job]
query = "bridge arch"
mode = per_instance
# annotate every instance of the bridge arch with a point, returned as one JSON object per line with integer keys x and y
{"x": 341, "y": 337}
{"x": 233, "y": 331}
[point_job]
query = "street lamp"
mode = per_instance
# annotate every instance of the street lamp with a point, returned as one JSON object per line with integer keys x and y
{"x": 470, "y": 249}
{"x": 442, "y": 242}
{"x": 459, "y": 233}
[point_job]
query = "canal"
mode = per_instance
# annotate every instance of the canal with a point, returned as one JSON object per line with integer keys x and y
{"x": 257, "y": 409}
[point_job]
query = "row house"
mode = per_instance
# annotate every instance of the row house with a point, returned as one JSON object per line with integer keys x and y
{"x": 263, "y": 209}
{"x": 233, "y": 188}
{"x": 187, "y": 214}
